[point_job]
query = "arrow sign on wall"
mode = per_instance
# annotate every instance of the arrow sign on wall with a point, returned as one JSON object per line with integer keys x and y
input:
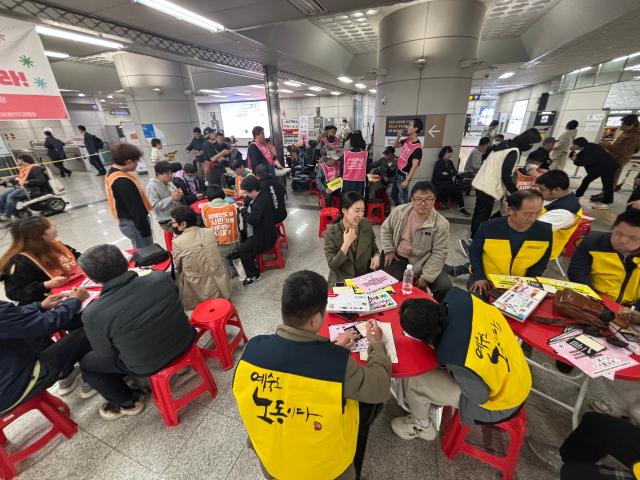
{"x": 433, "y": 130}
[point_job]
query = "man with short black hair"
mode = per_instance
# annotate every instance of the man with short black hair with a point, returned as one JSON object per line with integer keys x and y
{"x": 55, "y": 151}
{"x": 261, "y": 231}
{"x": 195, "y": 147}
{"x": 31, "y": 180}
{"x": 214, "y": 153}
{"x": 387, "y": 168}
{"x": 418, "y": 235}
{"x": 259, "y": 152}
{"x": 222, "y": 218}
{"x": 241, "y": 173}
{"x": 307, "y": 400}
{"x": 474, "y": 161}
{"x": 275, "y": 190}
{"x": 599, "y": 164}
{"x": 409, "y": 157}
{"x": 163, "y": 194}
{"x": 137, "y": 327}
{"x": 541, "y": 154}
{"x": 127, "y": 200}
{"x": 93, "y": 145}
{"x": 518, "y": 244}
{"x": 190, "y": 183}
{"x": 329, "y": 140}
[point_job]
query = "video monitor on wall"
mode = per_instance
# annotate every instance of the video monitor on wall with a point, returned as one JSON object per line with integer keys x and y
{"x": 239, "y": 118}
{"x": 517, "y": 117}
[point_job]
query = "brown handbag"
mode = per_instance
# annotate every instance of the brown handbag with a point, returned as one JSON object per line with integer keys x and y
{"x": 581, "y": 309}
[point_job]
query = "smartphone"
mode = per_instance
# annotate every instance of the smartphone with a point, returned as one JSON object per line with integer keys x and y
{"x": 405, "y": 132}
{"x": 349, "y": 317}
{"x": 340, "y": 284}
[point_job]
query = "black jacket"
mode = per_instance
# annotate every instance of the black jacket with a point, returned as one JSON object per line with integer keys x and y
{"x": 595, "y": 159}
{"x": 189, "y": 196}
{"x": 262, "y": 221}
{"x": 255, "y": 157}
{"x": 275, "y": 190}
{"x": 140, "y": 321}
{"x": 18, "y": 325}
{"x": 25, "y": 281}
{"x": 37, "y": 183}
{"x": 444, "y": 171}
{"x": 55, "y": 148}
{"x": 541, "y": 155}
{"x": 129, "y": 204}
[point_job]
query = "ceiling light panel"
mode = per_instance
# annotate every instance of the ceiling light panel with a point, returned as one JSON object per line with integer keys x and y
{"x": 510, "y": 18}
{"x": 51, "y": 54}
{"x": 309, "y": 7}
{"x": 77, "y": 37}
{"x": 352, "y": 30}
{"x": 183, "y": 14}
{"x": 291, "y": 83}
{"x": 316, "y": 89}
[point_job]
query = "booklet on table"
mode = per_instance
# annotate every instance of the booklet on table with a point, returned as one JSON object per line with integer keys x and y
{"x": 520, "y": 301}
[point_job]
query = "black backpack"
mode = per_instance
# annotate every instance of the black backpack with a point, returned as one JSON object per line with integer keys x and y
{"x": 98, "y": 143}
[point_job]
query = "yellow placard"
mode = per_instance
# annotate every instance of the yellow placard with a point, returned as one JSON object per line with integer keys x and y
{"x": 505, "y": 282}
{"x": 551, "y": 284}
{"x": 335, "y": 184}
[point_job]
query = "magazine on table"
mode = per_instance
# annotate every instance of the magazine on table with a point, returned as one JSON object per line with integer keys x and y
{"x": 520, "y": 301}
{"x": 373, "y": 281}
{"x": 365, "y": 303}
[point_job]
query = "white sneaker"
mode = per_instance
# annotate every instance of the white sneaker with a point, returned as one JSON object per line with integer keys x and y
{"x": 70, "y": 382}
{"x": 408, "y": 428}
{"x": 599, "y": 206}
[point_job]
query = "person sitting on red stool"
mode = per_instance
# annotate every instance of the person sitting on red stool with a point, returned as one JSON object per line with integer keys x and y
{"x": 137, "y": 327}
{"x": 26, "y": 372}
{"x": 483, "y": 371}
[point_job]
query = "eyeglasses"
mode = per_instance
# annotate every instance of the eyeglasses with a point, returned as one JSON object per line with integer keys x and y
{"x": 423, "y": 200}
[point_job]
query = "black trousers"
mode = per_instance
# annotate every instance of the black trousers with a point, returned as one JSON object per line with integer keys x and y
{"x": 368, "y": 413}
{"x": 635, "y": 195}
{"x": 58, "y": 359}
{"x": 482, "y": 211}
{"x": 607, "y": 185}
{"x": 106, "y": 375}
{"x": 247, "y": 252}
{"x": 94, "y": 160}
{"x": 328, "y": 196}
{"x": 439, "y": 287}
{"x": 597, "y": 436}
{"x": 450, "y": 191}
{"x": 63, "y": 170}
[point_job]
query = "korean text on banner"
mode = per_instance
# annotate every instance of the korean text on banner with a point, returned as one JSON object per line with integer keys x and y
{"x": 28, "y": 89}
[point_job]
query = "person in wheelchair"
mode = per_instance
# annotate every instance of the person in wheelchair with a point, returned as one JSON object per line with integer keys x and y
{"x": 32, "y": 182}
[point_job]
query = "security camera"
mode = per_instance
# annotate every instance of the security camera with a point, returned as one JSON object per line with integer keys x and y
{"x": 421, "y": 62}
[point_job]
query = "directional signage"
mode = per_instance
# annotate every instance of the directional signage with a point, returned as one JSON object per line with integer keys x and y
{"x": 431, "y": 137}
{"x": 434, "y": 131}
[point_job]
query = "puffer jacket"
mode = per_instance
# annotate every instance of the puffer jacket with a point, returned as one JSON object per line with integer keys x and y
{"x": 430, "y": 242}
{"x": 624, "y": 146}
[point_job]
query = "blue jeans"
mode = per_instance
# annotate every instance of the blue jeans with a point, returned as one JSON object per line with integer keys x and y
{"x": 129, "y": 230}
{"x": 8, "y": 200}
{"x": 403, "y": 193}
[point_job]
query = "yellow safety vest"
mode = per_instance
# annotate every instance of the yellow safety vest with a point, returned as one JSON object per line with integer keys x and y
{"x": 496, "y": 256}
{"x": 610, "y": 279}
{"x": 561, "y": 237}
{"x": 299, "y": 423}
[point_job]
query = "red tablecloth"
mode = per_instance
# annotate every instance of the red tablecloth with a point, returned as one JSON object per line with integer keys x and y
{"x": 414, "y": 356}
{"x": 77, "y": 280}
{"x": 197, "y": 206}
{"x": 538, "y": 334}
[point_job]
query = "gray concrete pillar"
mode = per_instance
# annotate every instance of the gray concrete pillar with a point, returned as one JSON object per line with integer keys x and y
{"x": 445, "y": 35}
{"x": 273, "y": 109}
{"x": 159, "y": 93}
{"x": 357, "y": 112}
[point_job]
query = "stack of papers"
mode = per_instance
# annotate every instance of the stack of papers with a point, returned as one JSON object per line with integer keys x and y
{"x": 373, "y": 281}
{"x": 520, "y": 301}
{"x": 594, "y": 356}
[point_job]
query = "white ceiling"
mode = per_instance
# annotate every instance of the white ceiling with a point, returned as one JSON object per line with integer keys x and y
{"x": 510, "y": 18}
{"x": 357, "y": 31}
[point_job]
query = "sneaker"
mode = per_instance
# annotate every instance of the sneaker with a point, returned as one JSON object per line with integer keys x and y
{"x": 549, "y": 454}
{"x": 602, "y": 406}
{"x": 408, "y": 428}
{"x": 250, "y": 281}
{"x": 110, "y": 412}
{"x": 86, "y": 390}
{"x": 4, "y": 218}
{"x": 596, "y": 198}
{"x": 464, "y": 246}
{"x": 70, "y": 382}
{"x": 599, "y": 206}
{"x": 69, "y": 172}
{"x": 465, "y": 212}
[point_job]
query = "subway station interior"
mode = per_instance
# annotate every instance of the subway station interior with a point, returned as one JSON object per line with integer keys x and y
{"x": 133, "y": 71}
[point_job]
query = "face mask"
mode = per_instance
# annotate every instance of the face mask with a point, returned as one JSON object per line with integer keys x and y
{"x": 331, "y": 138}
{"x": 175, "y": 230}
{"x": 529, "y": 166}
{"x": 189, "y": 177}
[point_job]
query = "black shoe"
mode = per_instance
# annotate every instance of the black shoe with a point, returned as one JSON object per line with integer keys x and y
{"x": 464, "y": 246}
{"x": 465, "y": 212}
{"x": 69, "y": 172}
{"x": 101, "y": 174}
{"x": 563, "y": 367}
{"x": 250, "y": 281}
{"x": 618, "y": 188}
{"x": 448, "y": 269}
{"x": 596, "y": 198}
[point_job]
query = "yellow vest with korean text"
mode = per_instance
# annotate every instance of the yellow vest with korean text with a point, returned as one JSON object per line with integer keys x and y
{"x": 561, "y": 237}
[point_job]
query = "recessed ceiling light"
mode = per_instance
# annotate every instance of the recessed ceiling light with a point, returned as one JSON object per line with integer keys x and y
{"x": 81, "y": 95}
{"x": 205, "y": 90}
{"x": 109, "y": 96}
{"x": 336, "y": 93}
{"x": 219, "y": 96}
{"x": 506, "y": 75}
{"x": 357, "y": 14}
{"x": 76, "y": 37}
{"x": 102, "y": 100}
{"x": 344, "y": 79}
{"x": 310, "y": 94}
{"x": 360, "y": 85}
{"x": 119, "y": 91}
{"x": 291, "y": 83}
{"x": 373, "y": 90}
{"x": 284, "y": 90}
{"x": 156, "y": 89}
{"x": 66, "y": 90}
{"x": 51, "y": 54}
{"x": 243, "y": 94}
{"x": 360, "y": 20}
{"x": 183, "y": 14}
{"x": 372, "y": 12}
{"x": 316, "y": 89}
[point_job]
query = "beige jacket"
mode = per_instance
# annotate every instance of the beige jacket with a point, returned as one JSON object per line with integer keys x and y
{"x": 200, "y": 269}
{"x": 430, "y": 242}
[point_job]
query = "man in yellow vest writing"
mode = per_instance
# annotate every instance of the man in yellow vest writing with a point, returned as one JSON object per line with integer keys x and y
{"x": 483, "y": 371}
{"x": 518, "y": 245}
{"x": 298, "y": 394}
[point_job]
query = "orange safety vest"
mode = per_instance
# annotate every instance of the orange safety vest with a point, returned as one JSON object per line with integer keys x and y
{"x": 108, "y": 182}
{"x": 223, "y": 221}
{"x": 23, "y": 174}
{"x": 66, "y": 261}
{"x": 239, "y": 181}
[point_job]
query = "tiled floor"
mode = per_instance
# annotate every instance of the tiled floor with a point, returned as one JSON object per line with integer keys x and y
{"x": 210, "y": 440}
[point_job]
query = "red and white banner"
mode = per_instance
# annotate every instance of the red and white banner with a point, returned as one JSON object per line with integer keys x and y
{"x": 28, "y": 89}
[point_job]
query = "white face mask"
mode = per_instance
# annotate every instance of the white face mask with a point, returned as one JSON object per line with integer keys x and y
{"x": 530, "y": 166}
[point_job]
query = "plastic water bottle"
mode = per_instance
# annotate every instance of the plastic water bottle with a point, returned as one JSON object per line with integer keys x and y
{"x": 407, "y": 280}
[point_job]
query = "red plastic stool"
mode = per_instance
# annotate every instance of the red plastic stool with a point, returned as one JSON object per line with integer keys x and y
{"x": 276, "y": 252}
{"x": 584, "y": 229}
{"x": 313, "y": 187}
{"x": 161, "y": 388}
{"x": 55, "y": 410}
{"x": 213, "y": 316}
{"x": 327, "y": 215}
{"x": 456, "y": 433}
{"x": 282, "y": 233}
{"x": 168, "y": 240}
{"x": 375, "y": 211}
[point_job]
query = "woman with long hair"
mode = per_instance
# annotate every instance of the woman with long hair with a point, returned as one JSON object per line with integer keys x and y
{"x": 354, "y": 173}
{"x": 444, "y": 175}
{"x": 350, "y": 243}
{"x": 36, "y": 261}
